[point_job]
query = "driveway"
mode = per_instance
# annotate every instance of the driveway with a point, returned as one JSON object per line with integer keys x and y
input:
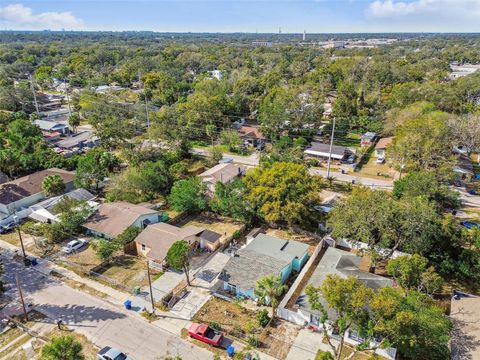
{"x": 200, "y": 291}
{"x": 99, "y": 321}
{"x": 306, "y": 345}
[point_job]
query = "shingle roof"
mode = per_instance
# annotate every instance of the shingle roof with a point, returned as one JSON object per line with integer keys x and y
{"x": 76, "y": 139}
{"x": 49, "y": 125}
{"x": 344, "y": 264}
{"x": 247, "y": 266}
{"x": 210, "y": 236}
{"x": 284, "y": 250}
{"x": 113, "y": 218}
{"x": 29, "y": 185}
{"x": 159, "y": 237}
{"x": 222, "y": 172}
{"x": 250, "y": 131}
{"x": 324, "y": 150}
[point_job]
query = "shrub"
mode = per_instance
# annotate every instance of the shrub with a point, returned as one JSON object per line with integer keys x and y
{"x": 263, "y": 318}
{"x": 324, "y": 355}
{"x": 214, "y": 325}
{"x": 252, "y": 340}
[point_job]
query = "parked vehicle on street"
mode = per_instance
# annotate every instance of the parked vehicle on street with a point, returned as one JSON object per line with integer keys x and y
{"x": 206, "y": 334}
{"x": 74, "y": 245}
{"x": 7, "y": 228}
{"x": 109, "y": 353}
{"x": 470, "y": 224}
{"x": 380, "y": 160}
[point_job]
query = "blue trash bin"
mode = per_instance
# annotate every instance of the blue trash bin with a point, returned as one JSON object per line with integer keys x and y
{"x": 128, "y": 305}
{"x": 231, "y": 351}
{"x": 34, "y": 262}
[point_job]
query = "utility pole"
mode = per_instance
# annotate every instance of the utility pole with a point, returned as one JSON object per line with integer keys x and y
{"x": 30, "y": 77}
{"x": 21, "y": 243}
{"x": 21, "y": 296}
{"x": 146, "y": 108}
{"x": 150, "y": 285}
{"x": 331, "y": 147}
{"x": 68, "y": 98}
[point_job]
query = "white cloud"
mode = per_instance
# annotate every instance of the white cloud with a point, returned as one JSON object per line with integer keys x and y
{"x": 444, "y": 8}
{"x": 18, "y": 16}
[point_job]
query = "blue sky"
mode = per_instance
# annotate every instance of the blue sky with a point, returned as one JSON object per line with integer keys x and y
{"x": 292, "y": 16}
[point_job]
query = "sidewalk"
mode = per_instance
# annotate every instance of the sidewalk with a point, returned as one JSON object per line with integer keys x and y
{"x": 359, "y": 180}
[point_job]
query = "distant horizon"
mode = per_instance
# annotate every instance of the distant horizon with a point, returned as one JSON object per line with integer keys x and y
{"x": 247, "y": 32}
{"x": 244, "y": 16}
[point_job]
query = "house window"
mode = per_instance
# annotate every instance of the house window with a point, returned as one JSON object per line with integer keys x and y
{"x": 143, "y": 247}
{"x": 231, "y": 288}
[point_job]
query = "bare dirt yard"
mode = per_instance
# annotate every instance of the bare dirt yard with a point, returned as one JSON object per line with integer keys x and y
{"x": 240, "y": 323}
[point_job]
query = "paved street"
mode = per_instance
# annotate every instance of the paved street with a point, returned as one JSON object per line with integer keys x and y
{"x": 99, "y": 321}
{"x": 383, "y": 184}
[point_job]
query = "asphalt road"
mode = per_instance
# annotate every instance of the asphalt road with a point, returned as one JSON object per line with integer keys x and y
{"x": 374, "y": 183}
{"x": 100, "y": 322}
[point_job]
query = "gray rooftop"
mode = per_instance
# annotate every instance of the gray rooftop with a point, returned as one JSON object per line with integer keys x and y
{"x": 283, "y": 250}
{"x": 48, "y": 125}
{"x": 75, "y": 140}
{"x": 344, "y": 264}
{"x": 247, "y": 266}
{"x": 325, "y": 148}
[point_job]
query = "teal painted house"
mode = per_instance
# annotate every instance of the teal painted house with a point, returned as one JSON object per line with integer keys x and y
{"x": 264, "y": 255}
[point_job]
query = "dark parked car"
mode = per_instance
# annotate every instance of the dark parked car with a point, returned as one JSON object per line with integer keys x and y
{"x": 470, "y": 224}
{"x": 6, "y": 228}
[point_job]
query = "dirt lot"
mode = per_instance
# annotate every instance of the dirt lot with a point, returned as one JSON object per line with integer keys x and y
{"x": 85, "y": 258}
{"x": 129, "y": 271}
{"x": 239, "y": 322}
{"x": 288, "y": 235}
{"x": 224, "y": 226}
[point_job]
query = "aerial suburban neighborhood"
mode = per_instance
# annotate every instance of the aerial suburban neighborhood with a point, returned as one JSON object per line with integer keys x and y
{"x": 183, "y": 188}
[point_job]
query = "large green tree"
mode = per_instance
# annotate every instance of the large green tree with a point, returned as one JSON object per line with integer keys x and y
{"x": 283, "y": 193}
{"x": 269, "y": 289}
{"x": 178, "y": 257}
{"x": 188, "y": 195}
{"x": 93, "y": 167}
{"x": 53, "y": 185}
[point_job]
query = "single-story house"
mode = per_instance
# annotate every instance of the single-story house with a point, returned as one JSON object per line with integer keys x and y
{"x": 26, "y": 191}
{"x": 264, "y": 255}
{"x": 223, "y": 173}
{"x": 52, "y": 127}
{"x": 42, "y": 212}
{"x": 344, "y": 264}
{"x": 368, "y": 139}
{"x": 322, "y": 151}
{"x": 113, "y": 218}
{"x": 381, "y": 147}
{"x": 251, "y": 136}
{"x": 51, "y": 137}
{"x": 84, "y": 139}
{"x": 465, "y": 336}
{"x": 155, "y": 240}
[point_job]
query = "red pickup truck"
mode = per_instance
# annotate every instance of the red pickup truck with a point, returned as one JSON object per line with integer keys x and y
{"x": 206, "y": 334}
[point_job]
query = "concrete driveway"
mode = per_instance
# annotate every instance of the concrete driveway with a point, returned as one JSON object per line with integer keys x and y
{"x": 100, "y": 322}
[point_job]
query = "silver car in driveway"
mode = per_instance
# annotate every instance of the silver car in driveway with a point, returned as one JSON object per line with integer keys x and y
{"x": 74, "y": 245}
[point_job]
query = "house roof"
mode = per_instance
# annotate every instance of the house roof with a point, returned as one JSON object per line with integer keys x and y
{"x": 49, "y": 125}
{"x": 210, "y": 236}
{"x": 284, "y": 250}
{"x": 344, "y": 264}
{"x": 75, "y": 140}
{"x": 113, "y": 218}
{"x": 369, "y": 136}
{"x": 465, "y": 336}
{"x": 251, "y": 132}
{"x": 222, "y": 172}
{"x": 29, "y": 185}
{"x": 159, "y": 237}
{"x": 384, "y": 142}
{"x": 77, "y": 194}
{"x": 247, "y": 266}
{"x": 321, "y": 149}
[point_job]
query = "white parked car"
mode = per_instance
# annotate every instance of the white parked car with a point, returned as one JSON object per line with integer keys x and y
{"x": 380, "y": 160}
{"x": 74, "y": 245}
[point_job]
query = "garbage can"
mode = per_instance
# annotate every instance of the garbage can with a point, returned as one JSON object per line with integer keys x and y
{"x": 34, "y": 262}
{"x": 136, "y": 290}
{"x": 128, "y": 305}
{"x": 231, "y": 351}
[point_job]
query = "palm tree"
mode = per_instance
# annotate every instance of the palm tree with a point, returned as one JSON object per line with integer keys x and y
{"x": 62, "y": 348}
{"x": 269, "y": 289}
